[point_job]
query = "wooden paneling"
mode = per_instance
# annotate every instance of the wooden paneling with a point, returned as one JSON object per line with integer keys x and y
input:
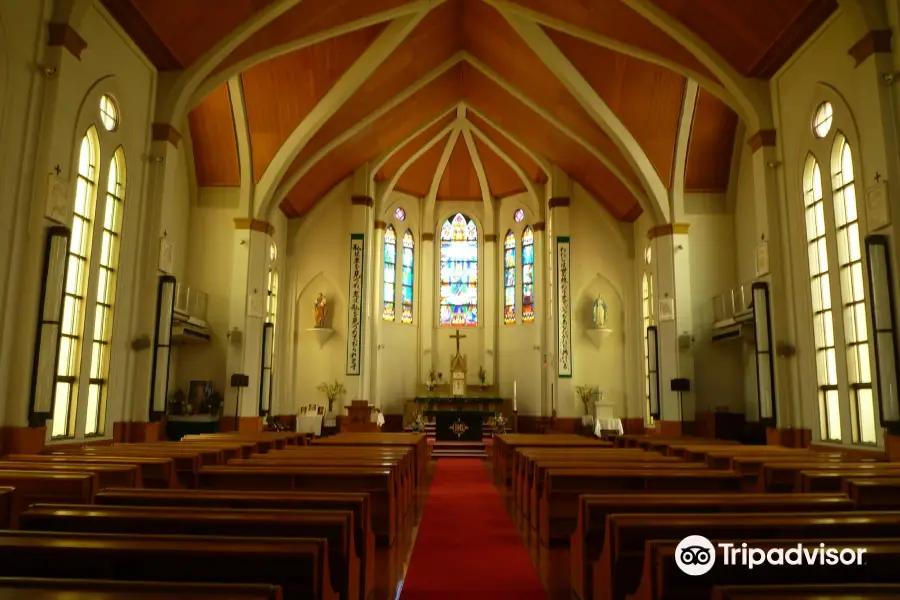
{"x": 432, "y": 42}
{"x": 614, "y": 20}
{"x": 532, "y": 169}
{"x": 189, "y": 28}
{"x": 416, "y": 180}
{"x": 280, "y": 92}
{"x": 755, "y": 37}
{"x": 710, "y": 146}
{"x": 647, "y": 98}
{"x": 542, "y": 138}
{"x": 214, "y": 142}
{"x": 309, "y": 17}
{"x": 492, "y": 40}
{"x": 393, "y": 164}
{"x": 460, "y": 180}
{"x": 429, "y": 102}
{"x": 501, "y": 178}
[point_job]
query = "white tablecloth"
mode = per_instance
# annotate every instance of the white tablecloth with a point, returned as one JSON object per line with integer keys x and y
{"x": 309, "y": 424}
{"x": 608, "y": 425}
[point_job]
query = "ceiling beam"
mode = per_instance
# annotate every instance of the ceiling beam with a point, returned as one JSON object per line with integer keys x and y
{"x": 244, "y": 148}
{"x": 537, "y": 158}
{"x": 285, "y": 186}
{"x": 682, "y": 141}
{"x": 352, "y": 79}
{"x": 219, "y": 77}
{"x": 486, "y": 196}
{"x": 555, "y": 60}
{"x": 529, "y": 185}
{"x": 386, "y": 156}
{"x": 431, "y": 198}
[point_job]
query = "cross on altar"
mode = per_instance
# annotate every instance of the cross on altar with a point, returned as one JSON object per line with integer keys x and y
{"x": 457, "y": 337}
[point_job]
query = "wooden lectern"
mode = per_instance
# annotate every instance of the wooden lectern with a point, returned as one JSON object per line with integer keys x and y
{"x": 359, "y": 418}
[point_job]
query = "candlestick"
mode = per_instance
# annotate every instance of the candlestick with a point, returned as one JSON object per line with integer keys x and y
{"x": 514, "y": 390}
{"x": 514, "y": 404}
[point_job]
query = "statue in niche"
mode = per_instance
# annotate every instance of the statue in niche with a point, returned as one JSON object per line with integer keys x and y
{"x": 321, "y": 310}
{"x": 601, "y": 312}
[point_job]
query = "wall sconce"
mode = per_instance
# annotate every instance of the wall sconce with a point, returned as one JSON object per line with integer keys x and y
{"x": 265, "y": 380}
{"x": 765, "y": 361}
{"x": 653, "y": 369}
{"x": 162, "y": 347}
{"x": 46, "y": 345}
{"x": 881, "y": 305}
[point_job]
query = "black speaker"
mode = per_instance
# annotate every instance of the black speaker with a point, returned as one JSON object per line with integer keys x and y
{"x": 239, "y": 381}
{"x": 681, "y": 384}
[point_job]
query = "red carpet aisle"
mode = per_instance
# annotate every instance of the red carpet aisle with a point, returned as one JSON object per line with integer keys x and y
{"x": 467, "y": 547}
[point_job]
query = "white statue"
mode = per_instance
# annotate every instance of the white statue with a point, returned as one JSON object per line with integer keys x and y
{"x": 321, "y": 310}
{"x": 601, "y": 312}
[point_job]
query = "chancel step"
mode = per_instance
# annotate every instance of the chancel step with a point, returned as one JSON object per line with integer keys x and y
{"x": 458, "y": 450}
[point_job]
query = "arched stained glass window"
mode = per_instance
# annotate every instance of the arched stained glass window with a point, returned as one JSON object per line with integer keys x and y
{"x": 528, "y": 275}
{"x": 390, "y": 272}
{"x": 74, "y": 299}
{"x": 509, "y": 278}
{"x": 406, "y": 290}
{"x": 459, "y": 272}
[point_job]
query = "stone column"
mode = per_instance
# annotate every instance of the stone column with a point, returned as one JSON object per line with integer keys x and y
{"x": 560, "y": 325}
{"x": 488, "y": 317}
{"x": 427, "y": 304}
{"x": 377, "y": 294}
{"x": 542, "y": 303}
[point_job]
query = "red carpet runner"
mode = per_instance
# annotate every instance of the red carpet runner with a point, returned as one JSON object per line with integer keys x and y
{"x": 467, "y": 546}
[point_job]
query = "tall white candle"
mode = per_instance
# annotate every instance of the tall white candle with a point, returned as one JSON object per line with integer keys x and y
{"x": 514, "y": 396}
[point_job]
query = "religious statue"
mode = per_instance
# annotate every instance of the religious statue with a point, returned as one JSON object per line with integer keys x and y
{"x": 321, "y": 310}
{"x": 601, "y": 312}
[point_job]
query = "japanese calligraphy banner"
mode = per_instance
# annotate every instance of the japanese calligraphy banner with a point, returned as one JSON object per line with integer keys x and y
{"x": 563, "y": 307}
{"x": 355, "y": 299}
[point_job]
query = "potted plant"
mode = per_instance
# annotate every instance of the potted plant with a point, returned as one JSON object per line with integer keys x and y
{"x": 331, "y": 391}
{"x": 482, "y": 376}
{"x": 584, "y": 393}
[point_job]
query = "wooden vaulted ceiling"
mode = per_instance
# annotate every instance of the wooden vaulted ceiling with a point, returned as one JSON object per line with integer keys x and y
{"x": 519, "y": 112}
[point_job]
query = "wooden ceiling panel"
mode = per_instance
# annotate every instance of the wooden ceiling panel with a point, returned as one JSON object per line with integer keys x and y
{"x": 433, "y": 41}
{"x": 416, "y": 180}
{"x": 755, "y": 37}
{"x": 710, "y": 146}
{"x": 281, "y": 92}
{"x": 647, "y": 98}
{"x": 308, "y": 18}
{"x": 501, "y": 178}
{"x": 213, "y": 140}
{"x": 614, "y": 20}
{"x": 189, "y": 28}
{"x": 459, "y": 180}
{"x": 398, "y": 158}
{"x": 493, "y": 41}
{"x": 433, "y": 100}
{"x": 544, "y": 139}
{"x": 531, "y": 168}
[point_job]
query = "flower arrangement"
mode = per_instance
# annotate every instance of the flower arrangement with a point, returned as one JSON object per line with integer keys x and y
{"x": 500, "y": 424}
{"x": 482, "y": 376}
{"x": 331, "y": 391}
{"x": 418, "y": 425}
{"x": 584, "y": 393}
{"x": 432, "y": 381}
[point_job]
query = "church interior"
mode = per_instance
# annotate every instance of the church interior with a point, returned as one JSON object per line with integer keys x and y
{"x": 379, "y": 299}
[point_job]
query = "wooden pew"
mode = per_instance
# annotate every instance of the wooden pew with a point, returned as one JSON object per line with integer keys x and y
{"x": 378, "y": 483}
{"x": 155, "y": 472}
{"x": 28, "y": 588}
{"x": 107, "y": 475}
{"x": 869, "y": 591}
{"x": 7, "y": 504}
{"x": 558, "y": 506}
{"x": 618, "y": 570}
{"x": 357, "y": 503}
{"x": 227, "y": 449}
{"x": 335, "y": 526}
{"x": 417, "y": 442}
{"x": 586, "y": 542}
{"x": 833, "y": 480}
{"x": 507, "y": 443}
{"x": 699, "y": 452}
{"x": 299, "y": 566}
{"x": 882, "y": 493}
{"x": 43, "y": 486}
{"x": 186, "y": 462}
{"x": 752, "y": 461}
{"x": 785, "y": 477}
{"x": 662, "y": 579}
{"x": 264, "y": 441}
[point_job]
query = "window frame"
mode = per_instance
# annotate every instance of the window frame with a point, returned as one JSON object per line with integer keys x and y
{"x": 479, "y": 258}
{"x": 510, "y": 272}
{"x": 526, "y": 316}
{"x": 411, "y": 319}
{"x": 389, "y": 314}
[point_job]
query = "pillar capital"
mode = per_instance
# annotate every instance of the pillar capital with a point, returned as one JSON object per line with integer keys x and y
{"x": 63, "y": 35}
{"x": 490, "y": 237}
{"x": 427, "y": 237}
{"x": 254, "y": 225}
{"x": 875, "y": 42}
{"x": 762, "y": 138}
{"x": 366, "y": 201}
{"x": 668, "y": 229}
{"x": 164, "y": 132}
{"x": 539, "y": 226}
{"x": 380, "y": 225}
{"x": 559, "y": 202}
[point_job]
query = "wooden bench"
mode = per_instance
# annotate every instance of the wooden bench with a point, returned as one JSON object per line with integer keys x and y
{"x": 107, "y": 475}
{"x": 506, "y": 444}
{"x": 357, "y": 503}
{"x": 186, "y": 462}
{"x": 299, "y": 566}
{"x": 264, "y": 441}
{"x": 785, "y": 477}
{"x": 45, "y": 486}
{"x": 662, "y": 579}
{"x": 7, "y": 504}
{"x": 882, "y": 493}
{"x": 155, "y": 472}
{"x": 417, "y": 442}
{"x": 833, "y": 481}
{"x": 19, "y": 588}
{"x": 746, "y": 462}
{"x": 558, "y": 506}
{"x": 378, "y": 483}
{"x": 618, "y": 570}
{"x": 335, "y": 526}
{"x": 586, "y": 542}
{"x": 807, "y": 592}
{"x": 699, "y": 452}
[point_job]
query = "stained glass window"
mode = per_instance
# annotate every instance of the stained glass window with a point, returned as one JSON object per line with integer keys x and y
{"x": 390, "y": 272}
{"x": 459, "y": 272}
{"x": 109, "y": 113}
{"x": 509, "y": 278}
{"x": 528, "y": 275}
{"x": 519, "y": 215}
{"x": 400, "y": 214}
{"x": 406, "y": 289}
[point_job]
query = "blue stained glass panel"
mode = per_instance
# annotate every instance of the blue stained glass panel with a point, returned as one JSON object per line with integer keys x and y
{"x": 509, "y": 278}
{"x": 459, "y": 271}
{"x": 527, "y": 273}
{"x": 528, "y": 293}
{"x": 390, "y": 276}
{"x": 407, "y": 295}
{"x": 509, "y": 258}
{"x": 528, "y": 254}
{"x": 390, "y": 253}
{"x": 510, "y": 296}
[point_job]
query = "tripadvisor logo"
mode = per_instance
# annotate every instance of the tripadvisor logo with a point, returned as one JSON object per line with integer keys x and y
{"x": 696, "y": 555}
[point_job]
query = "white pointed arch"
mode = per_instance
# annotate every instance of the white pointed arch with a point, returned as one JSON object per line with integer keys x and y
{"x": 529, "y": 185}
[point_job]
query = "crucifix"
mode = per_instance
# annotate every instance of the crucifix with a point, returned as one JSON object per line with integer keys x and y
{"x": 458, "y": 369}
{"x": 457, "y": 337}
